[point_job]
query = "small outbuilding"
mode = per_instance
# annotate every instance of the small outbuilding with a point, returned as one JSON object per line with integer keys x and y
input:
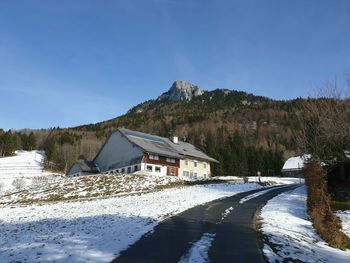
{"x": 293, "y": 167}
{"x": 83, "y": 167}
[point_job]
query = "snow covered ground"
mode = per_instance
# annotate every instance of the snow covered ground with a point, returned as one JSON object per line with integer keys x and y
{"x": 290, "y": 234}
{"x": 91, "y": 186}
{"x": 345, "y": 219}
{"x": 73, "y": 229}
{"x": 109, "y": 185}
{"x": 95, "y": 230}
{"x": 24, "y": 164}
{"x": 247, "y": 198}
{"x": 270, "y": 179}
{"x": 199, "y": 250}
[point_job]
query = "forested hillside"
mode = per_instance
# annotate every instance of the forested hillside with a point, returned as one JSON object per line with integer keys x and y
{"x": 246, "y": 133}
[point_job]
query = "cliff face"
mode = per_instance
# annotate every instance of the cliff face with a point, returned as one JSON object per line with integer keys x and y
{"x": 181, "y": 91}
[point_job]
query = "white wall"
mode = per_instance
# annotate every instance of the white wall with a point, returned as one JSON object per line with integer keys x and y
{"x": 163, "y": 169}
{"x": 188, "y": 165}
{"x": 117, "y": 149}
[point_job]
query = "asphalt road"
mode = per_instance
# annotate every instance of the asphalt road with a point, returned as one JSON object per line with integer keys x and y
{"x": 236, "y": 239}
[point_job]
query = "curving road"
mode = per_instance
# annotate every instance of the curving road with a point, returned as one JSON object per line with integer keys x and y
{"x": 235, "y": 240}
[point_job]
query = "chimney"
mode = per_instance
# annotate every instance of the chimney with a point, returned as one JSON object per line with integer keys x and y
{"x": 175, "y": 139}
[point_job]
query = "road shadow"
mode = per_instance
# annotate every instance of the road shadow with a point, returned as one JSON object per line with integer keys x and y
{"x": 83, "y": 239}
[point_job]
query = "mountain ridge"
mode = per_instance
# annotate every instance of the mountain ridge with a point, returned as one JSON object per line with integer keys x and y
{"x": 243, "y": 131}
{"x": 181, "y": 90}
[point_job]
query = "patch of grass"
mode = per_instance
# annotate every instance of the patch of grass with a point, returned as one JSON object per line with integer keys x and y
{"x": 98, "y": 186}
{"x": 340, "y": 205}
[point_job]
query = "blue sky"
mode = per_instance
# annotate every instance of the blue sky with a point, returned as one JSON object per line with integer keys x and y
{"x": 65, "y": 63}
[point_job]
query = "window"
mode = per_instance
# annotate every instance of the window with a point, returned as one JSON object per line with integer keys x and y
{"x": 117, "y": 171}
{"x": 149, "y": 168}
{"x": 205, "y": 176}
{"x": 186, "y": 162}
{"x": 129, "y": 169}
{"x": 170, "y": 160}
{"x": 157, "y": 169}
{"x": 195, "y": 164}
{"x": 195, "y": 174}
{"x": 204, "y": 165}
{"x": 136, "y": 168}
{"x": 153, "y": 157}
{"x": 123, "y": 170}
{"x": 185, "y": 173}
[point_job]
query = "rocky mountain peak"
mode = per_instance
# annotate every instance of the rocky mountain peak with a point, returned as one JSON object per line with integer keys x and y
{"x": 180, "y": 91}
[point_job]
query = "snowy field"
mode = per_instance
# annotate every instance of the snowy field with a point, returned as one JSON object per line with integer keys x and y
{"x": 290, "y": 234}
{"x": 111, "y": 185}
{"x": 90, "y": 186}
{"x": 95, "y": 230}
{"x": 66, "y": 220}
{"x": 199, "y": 250}
{"x": 26, "y": 165}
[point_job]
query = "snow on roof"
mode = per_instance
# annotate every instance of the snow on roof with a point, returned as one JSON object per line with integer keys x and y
{"x": 295, "y": 163}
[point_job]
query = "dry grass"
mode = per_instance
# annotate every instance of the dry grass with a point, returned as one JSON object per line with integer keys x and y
{"x": 96, "y": 186}
{"x": 319, "y": 208}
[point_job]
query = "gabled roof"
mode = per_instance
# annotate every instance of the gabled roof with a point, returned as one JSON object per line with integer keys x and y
{"x": 151, "y": 143}
{"x": 295, "y": 163}
{"x": 164, "y": 146}
{"x": 87, "y": 166}
{"x": 187, "y": 149}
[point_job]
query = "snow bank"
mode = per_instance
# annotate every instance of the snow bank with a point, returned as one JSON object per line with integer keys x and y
{"x": 289, "y": 233}
{"x": 294, "y": 163}
{"x": 95, "y": 230}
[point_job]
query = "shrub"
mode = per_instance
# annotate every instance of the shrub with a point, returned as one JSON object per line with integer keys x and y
{"x": 318, "y": 204}
{"x": 18, "y": 183}
{"x": 39, "y": 181}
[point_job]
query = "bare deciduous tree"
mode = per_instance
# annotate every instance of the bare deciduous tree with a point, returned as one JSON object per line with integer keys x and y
{"x": 325, "y": 125}
{"x": 69, "y": 154}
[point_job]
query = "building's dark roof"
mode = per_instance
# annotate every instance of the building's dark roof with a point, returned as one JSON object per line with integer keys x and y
{"x": 87, "y": 166}
{"x": 164, "y": 146}
{"x": 190, "y": 150}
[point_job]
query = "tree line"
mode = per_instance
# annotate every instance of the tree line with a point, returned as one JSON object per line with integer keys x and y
{"x": 64, "y": 148}
{"x": 236, "y": 157}
{"x": 11, "y": 141}
{"x": 210, "y": 122}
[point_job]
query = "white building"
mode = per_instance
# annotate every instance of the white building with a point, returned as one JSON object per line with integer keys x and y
{"x": 294, "y": 166}
{"x": 127, "y": 151}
